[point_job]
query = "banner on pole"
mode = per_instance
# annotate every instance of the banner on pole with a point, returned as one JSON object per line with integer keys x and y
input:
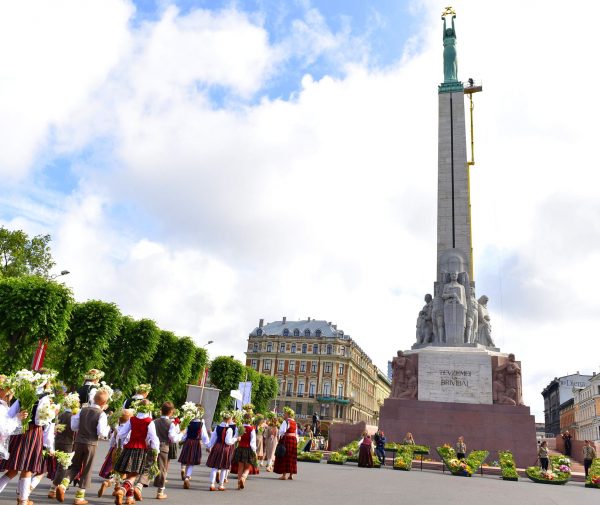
{"x": 245, "y": 389}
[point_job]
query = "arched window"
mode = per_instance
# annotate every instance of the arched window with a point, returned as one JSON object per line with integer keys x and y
{"x": 259, "y": 333}
{"x": 296, "y": 332}
{"x": 318, "y": 333}
{"x": 286, "y": 333}
{"x": 307, "y": 333}
{"x": 329, "y": 348}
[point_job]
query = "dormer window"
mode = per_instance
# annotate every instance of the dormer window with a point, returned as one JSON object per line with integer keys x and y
{"x": 318, "y": 333}
{"x": 286, "y": 333}
{"x": 307, "y": 333}
{"x": 259, "y": 333}
{"x": 296, "y": 332}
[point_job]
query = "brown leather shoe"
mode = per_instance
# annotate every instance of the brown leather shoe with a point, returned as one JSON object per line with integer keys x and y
{"x": 119, "y": 494}
{"x": 161, "y": 496}
{"x": 186, "y": 484}
{"x": 130, "y": 500}
{"x": 52, "y": 494}
{"x": 60, "y": 493}
{"x": 80, "y": 501}
{"x": 103, "y": 487}
{"x": 137, "y": 494}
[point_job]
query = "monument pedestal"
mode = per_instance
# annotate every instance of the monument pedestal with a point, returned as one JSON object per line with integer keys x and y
{"x": 485, "y": 427}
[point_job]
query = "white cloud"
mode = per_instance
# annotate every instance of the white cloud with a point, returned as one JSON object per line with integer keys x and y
{"x": 323, "y": 205}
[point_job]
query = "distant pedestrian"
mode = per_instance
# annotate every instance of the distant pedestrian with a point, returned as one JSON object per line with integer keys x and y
{"x": 309, "y": 434}
{"x": 365, "y": 451}
{"x": 461, "y": 448}
{"x": 408, "y": 439}
{"x": 380, "y": 441}
{"x": 543, "y": 455}
{"x": 315, "y": 423}
{"x": 566, "y": 436}
{"x": 589, "y": 454}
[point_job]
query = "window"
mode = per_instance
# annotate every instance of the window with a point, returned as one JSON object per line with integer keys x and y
{"x": 341, "y": 369}
{"x": 267, "y": 365}
{"x": 304, "y": 348}
{"x": 282, "y": 347}
{"x": 300, "y": 389}
{"x": 303, "y": 366}
{"x": 315, "y": 348}
{"x": 290, "y": 388}
{"x": 296, "y": 332}
{"x": 326, "y": 389}
{"x": 299, "y": 408}
{"x": 255, "y": 364}
{"x": 313, "y": 367}
{"x": 286, "y": 333}
{"x": 340, "y": 390}
{"x": 259, "y": 333}
{"x": 307, "y": 333}
{"x": 280, "y": 366}
{"x": 311, "y": 389}
{"x": 293, "y": 348}
{"x": 280, "y": 386}
{"x": 269, "y": 347}
{"x": 255, "y": 347}
{"x": 292, "y": 366}
{"x": 343, "y": 351}
{"x": 318, "y": 333}
{"x": 329, "y": 348}
{"x": 327, "y": 367}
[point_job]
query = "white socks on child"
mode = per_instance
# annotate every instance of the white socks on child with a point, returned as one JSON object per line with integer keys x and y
{"x": 188, "y": 471}
{"x": 35, "y": 481}
{"x": 24, "y": 488}
{"x": 213, "y": 476}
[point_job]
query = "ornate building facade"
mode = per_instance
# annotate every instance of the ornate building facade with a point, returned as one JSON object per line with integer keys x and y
{"x": 319, "y": 369}
{"x": 587, "y": 410}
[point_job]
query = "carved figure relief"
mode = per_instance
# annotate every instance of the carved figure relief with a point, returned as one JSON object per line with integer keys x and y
{"x": 403, "y": 377}
{"x": 484, "y": 331}
{"x": 424, "y": 322}
{"x": 510, "y": 373}
{"x": 455, "y": 308}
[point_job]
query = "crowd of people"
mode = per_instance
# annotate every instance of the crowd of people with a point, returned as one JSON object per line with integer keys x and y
{"x": 45, "y": 432}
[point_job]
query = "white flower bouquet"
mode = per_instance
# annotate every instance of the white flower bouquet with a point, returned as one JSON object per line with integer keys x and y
{"x": 47, "y": 412}
{"x": 189, "y": 412}
{"x": 106, "y": 388}
{"x": 70, "y": 401}
{"x": 64, "y": 459}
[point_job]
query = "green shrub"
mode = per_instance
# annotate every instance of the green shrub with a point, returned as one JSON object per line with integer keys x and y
{"x": 507, "y": 465}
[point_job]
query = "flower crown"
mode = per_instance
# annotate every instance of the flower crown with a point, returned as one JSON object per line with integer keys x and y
{"x": 248, "y": 407}
{"x": 288, "y": 411}
{"x": 143, "y": 388}
{"x": 143, "y": 407}
{"x": 94, "y": 375}
{"x": 225, "y": 414}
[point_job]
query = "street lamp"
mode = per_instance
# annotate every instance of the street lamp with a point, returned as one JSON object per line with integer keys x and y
{"x": 62, "y": 272}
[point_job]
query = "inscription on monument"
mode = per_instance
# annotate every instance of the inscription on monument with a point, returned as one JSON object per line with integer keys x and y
{"x": 447, "y": 375}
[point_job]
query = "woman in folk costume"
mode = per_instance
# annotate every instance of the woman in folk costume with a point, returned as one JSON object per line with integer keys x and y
{"x": 244, "y": 457}
{"x": 221, "y": 450}
{"x": 365, "y": 451}
{"x": 134, "y": 460}
{"x": 191, "y": 452}
{"x": 26, "y": 449}
{"x": 106, "y": 470}
{"x": 288, "y": 437}
{"x": 270, "y": 440}
{"x": 259, "y": 426}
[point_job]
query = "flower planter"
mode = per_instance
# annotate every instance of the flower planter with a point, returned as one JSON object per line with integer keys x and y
{"x": 514, "y": 479}
{"x": 329, "y": 462}
{"x": 555, "y": 482}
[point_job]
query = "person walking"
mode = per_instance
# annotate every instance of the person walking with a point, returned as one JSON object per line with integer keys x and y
{"x": 566, "y": 436}
{"x": 543, "y": 455}
{"x": 365, "y": 451}
{"x": 287, "y": 463}
{"x": 270, "y": 441}
{"x": 380, "y": 441}
{"x": 589, "y": 454}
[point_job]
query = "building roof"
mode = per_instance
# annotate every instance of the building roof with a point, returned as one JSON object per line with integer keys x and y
{"x": 276, "y": 328}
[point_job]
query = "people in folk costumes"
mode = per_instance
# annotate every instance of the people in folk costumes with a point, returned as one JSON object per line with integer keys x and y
{"x": 64, "y": 441}
{"x": 141, "y": 393}
{"x": 461, "y": 448}
{"x": 270, "y": 436}
{"x": 106, "y": 470}
{"x": 288, "y": 437}
{"x": 365, "y": 451}
{"x": 168, "y": 434}
{"x": 260, "y": 425}
{"x": 91, "y": 381}
{"x": 138, "y": 453}
{"x": 191, "y": 453}
{"x": 244, "y": 457}
{"x": 90, "y": 424}
{"x": 25, "y": 450}
{"x": 221, "y": 451}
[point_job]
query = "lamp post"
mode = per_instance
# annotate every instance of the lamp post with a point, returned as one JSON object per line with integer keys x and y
{"x": 204, "y": 373}
{"x": 61, "y": 274}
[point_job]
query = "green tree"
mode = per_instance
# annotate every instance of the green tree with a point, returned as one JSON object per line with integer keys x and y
{"x": 93, "y": 325}
{"x": 265, "y": 391}
{"x": 186, "y": 352}
{"x": 21, "y": 255}
{"x": 131, "y": 352}
{"x": 198, "y": 365}
{"x": 165, "y": 367}
{"x": 225, "y": 373}
{"x": 31, "y": 309}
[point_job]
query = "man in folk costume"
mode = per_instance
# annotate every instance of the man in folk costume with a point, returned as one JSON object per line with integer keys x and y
{"x": 26, "y": 449}
{"x": 221, "y": 450}
{"x": 90, "y": 424}
{"x": 244, "y": 457}
{"x": 141, "y": 393}
{"x": 87, "y": 392}
{"x": 168, "y": 434}
{"x": 139, "y": 453}
{"x": 287, "y": 464}
{"x": 191, "y": 452}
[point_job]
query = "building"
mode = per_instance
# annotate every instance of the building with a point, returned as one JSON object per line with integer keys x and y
{"x": 587, "y": 410}
{"x": 555, "y": 394}
{"x": 567, "y": 417}
{"x": 319, "y": 369}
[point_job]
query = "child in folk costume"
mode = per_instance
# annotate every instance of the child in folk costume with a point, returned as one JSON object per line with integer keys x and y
{"x": 106, "y": 470}
{"x": 139, "y": 453}
{"x": 90, "y": 424}
{"x": 10, "y": 419}
{"x": 244, "y": 457}
{"x": 191, "y": 452}
{"x": 221, "y": 450}
{"x": 64, "y": 438}
{"x": 288, "y": 436}
{"x": 26, "y": 449}
{"x": 141, "y": 393}
{"x": 168, "y": 434}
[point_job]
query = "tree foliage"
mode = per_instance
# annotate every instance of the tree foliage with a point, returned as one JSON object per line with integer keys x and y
{"x": 225, "y": 373}
{"x": 31, "y": 308}
{"x": 21, "y": 255}
{"x": 265, "y": 391}
{"x": 131, "y": 353}
{"x": 93, "y": 325}
{"x": 165, "y": 367}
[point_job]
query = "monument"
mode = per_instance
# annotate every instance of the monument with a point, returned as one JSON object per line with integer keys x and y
{"x": 454, "y": 381}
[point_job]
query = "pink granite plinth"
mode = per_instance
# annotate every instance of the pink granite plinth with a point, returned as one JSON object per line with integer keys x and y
{"x": 485, "y": 427}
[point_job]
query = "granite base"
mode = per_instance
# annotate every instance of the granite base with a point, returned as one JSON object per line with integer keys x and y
{"x": 485, "y": 427}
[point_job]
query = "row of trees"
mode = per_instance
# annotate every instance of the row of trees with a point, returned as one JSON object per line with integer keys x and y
{"x": 94, "y": 334}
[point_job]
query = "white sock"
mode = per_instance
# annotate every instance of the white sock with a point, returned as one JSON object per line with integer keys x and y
{"x": 35, "y": 481}
{"x": 224, "y": 475}
{"x": 4, "y": 480}
{"x": 213, "y": 476}
{"x": 161, "y": 490}
{"x": 24, "y": 488}
{"x": 188, "y": 471}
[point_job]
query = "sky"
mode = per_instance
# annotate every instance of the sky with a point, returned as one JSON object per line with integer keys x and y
{"x": 208, "y": 163}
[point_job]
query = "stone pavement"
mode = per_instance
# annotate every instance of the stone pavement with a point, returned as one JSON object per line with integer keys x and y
{"x": 319, "y": 484}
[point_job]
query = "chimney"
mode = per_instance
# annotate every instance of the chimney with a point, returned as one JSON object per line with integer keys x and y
{"x": 309, "y": 318}
{"x": 261, "y": 322}
{"x": 284, "y": 319}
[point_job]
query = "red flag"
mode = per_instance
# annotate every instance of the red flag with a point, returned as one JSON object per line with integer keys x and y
{"x": 40, "y": 354}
